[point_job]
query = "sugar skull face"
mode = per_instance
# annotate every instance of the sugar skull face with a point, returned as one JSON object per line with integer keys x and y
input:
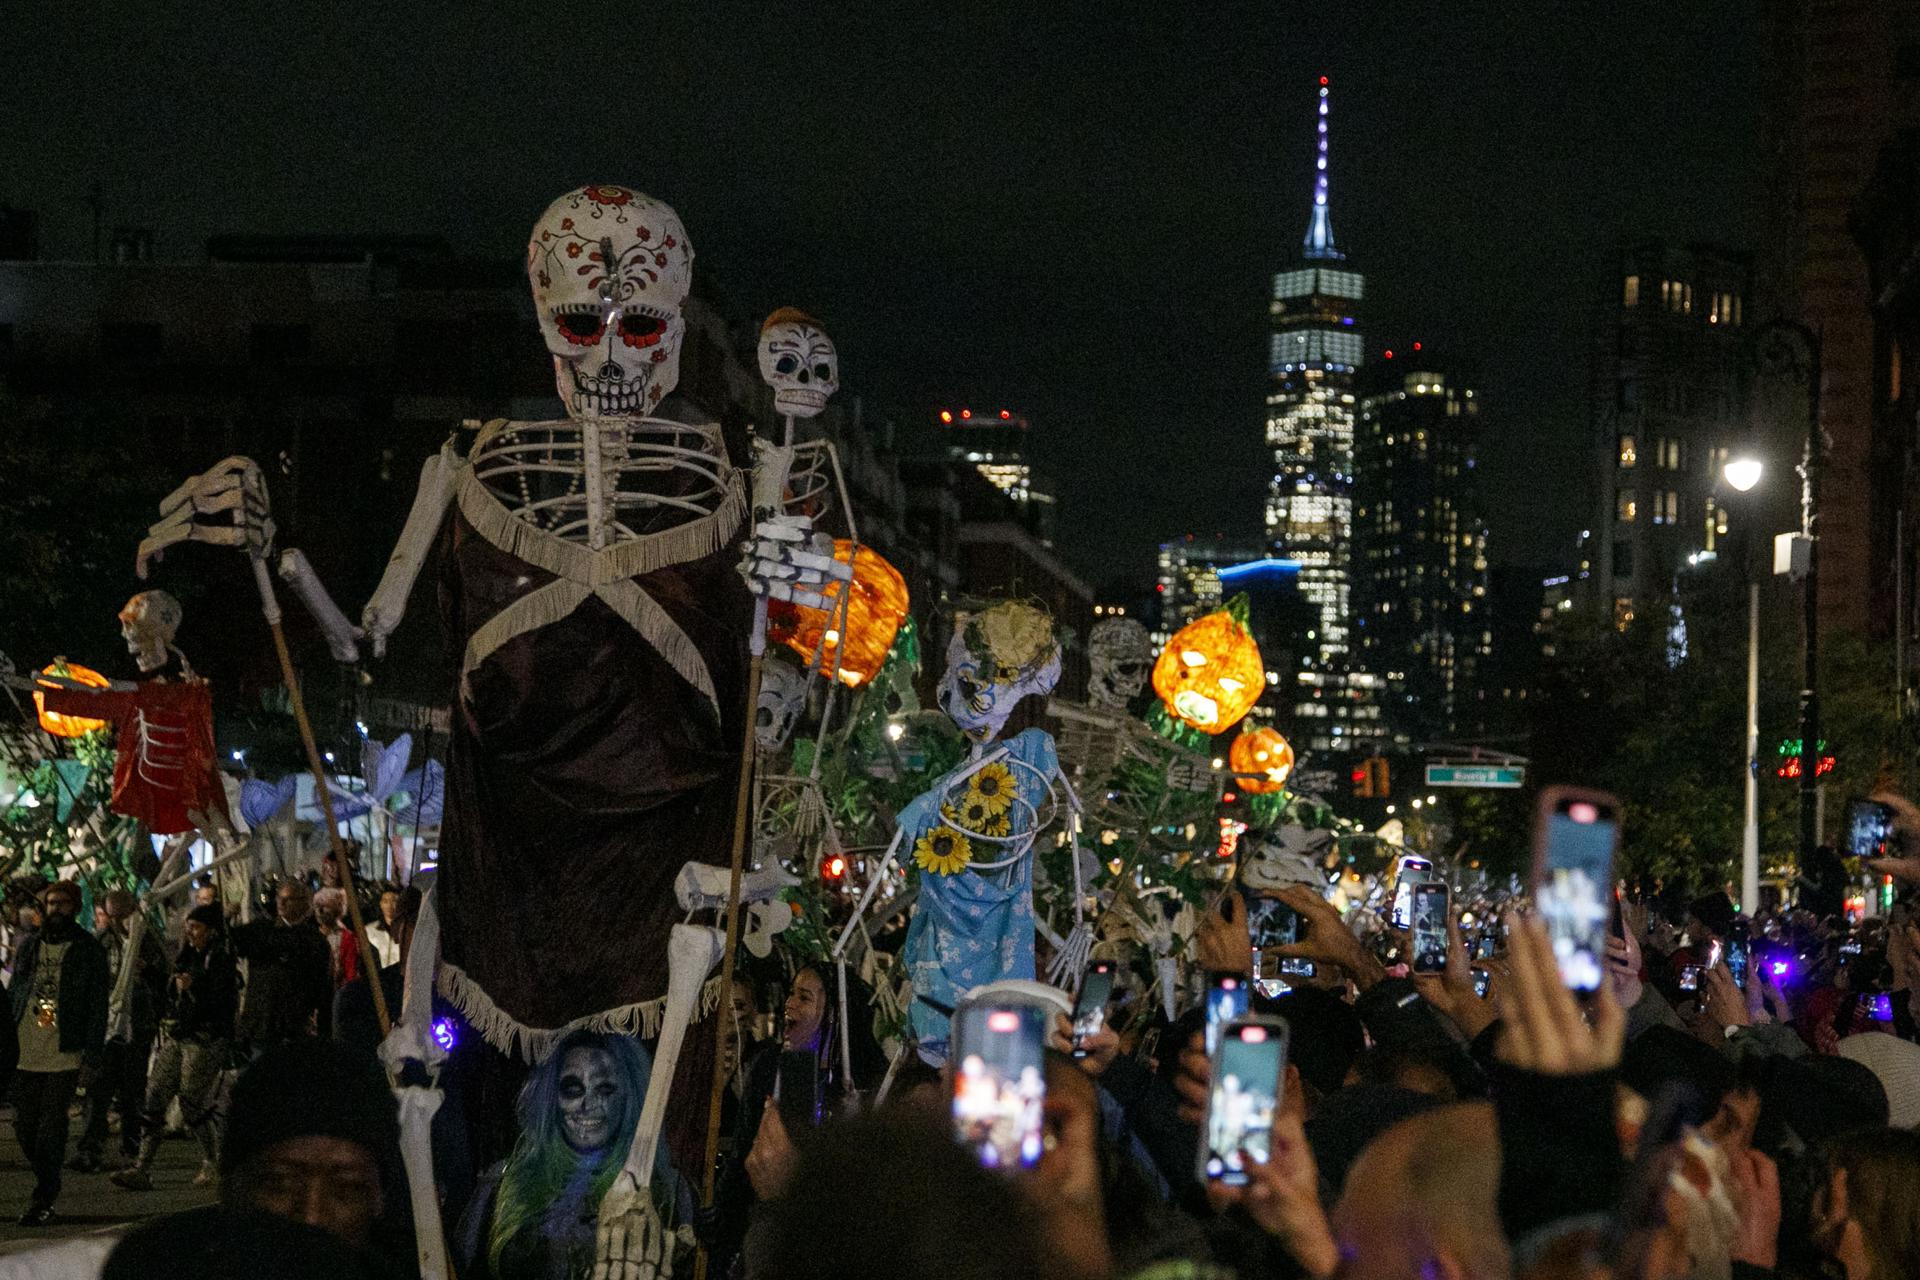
{"x": 610, "y": 270}
{"x": 997, "y": 657}
{"x": 1120, "y": 655}
{"x": 590, "y": 1098}
{"x": 148, "y": 623}
{"x": 798, "y": 361}
{"x": 783, "y": 694}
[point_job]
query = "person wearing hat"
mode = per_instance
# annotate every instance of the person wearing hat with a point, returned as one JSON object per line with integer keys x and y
{"x": 310, "y": 1164}
{"x": 195, "y": 1045}
{"x": 59, "y": 994}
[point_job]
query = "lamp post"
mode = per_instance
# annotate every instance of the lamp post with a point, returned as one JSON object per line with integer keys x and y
{"x": 1742, "y": 474}
{"x": 1790, "y": 349}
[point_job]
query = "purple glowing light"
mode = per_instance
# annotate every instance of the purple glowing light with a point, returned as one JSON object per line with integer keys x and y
{"x": 444, "y": 1034}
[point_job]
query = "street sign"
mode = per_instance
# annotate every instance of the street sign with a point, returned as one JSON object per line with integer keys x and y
{"x": 1476, "y": 775}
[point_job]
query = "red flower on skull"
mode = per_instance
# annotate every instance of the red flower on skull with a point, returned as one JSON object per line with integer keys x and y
{"x": 615, "y": 196}
{"x": 573, "y": 250}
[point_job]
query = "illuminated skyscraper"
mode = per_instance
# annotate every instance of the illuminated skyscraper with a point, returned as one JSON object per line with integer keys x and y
{"x": 1309, "y": 518}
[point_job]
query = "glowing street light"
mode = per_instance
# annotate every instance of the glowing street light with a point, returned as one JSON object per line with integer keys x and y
{"x": 1743, "y": 473}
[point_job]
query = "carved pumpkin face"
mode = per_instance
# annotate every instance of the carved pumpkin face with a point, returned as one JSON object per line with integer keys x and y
{"x": 874, "y": 611}
{"x": 63, "y": 726}
{"x": 1210, "y": 673}
{"x": 1261, "y": 761}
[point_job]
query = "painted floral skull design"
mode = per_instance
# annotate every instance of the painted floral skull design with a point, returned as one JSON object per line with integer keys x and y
{"x": 610, "y": 270}
{"x": 148, "y": 623}
{"x": 997, "y": 657}
{"x": 798, "y": 361}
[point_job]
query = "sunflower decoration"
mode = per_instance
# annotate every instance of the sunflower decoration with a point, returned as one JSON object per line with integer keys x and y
{"x": 943, "y": 851}
{"x": 972, "y": 817}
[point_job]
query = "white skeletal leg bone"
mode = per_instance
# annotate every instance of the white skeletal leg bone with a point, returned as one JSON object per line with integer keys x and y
{"x": 417, "y": 1107}
{"x": 411, "y": 1039}
{"x": 119, "y": 1010}
{"x": 630, "y": 1243}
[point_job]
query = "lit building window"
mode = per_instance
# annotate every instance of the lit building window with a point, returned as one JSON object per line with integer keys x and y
{"x": 1628, "y": 453}
{"x": 1622, "y": 612}
{"x": 1631, "y": 297}
{"x": 1625, "y": 507}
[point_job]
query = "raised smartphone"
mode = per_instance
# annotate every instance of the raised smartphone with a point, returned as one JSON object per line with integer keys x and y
{"x": 1227, "y": 996}
{"x": 1430, "y": 904}
{"x": 999, "y": 1080}
{"x": 1869, "y": 825}
{"x": 1090, "y": 1008}
{"x": 1248, "y": 1069}
{"x": 1413, "y": 870}
{"x": 1575, "y": 835}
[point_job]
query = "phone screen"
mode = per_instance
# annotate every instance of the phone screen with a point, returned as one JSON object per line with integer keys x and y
{"x": 1737, "y": 953}
{"x": 1090, "y": 1010}
{"x": 999, "y": 1083}
{"x": 1413, "y": 870}
{"x": 1270, "y": 922}
{"x": 1690, "y": 977}
{"x": 1247, "y": 1073}
{"x": 1574, "y": 886}
{"x": 1869, "y": 827}
{"x": 1880, "y": 1008}
{"x": 1483, "y": 946}
{"x": 1482, "y": 983}
{"x": 1430, "y": 928}
{"x": 1226, "y": 1000}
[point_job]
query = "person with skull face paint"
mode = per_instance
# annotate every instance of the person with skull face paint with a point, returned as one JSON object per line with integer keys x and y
{"x": 533, "y": 1215}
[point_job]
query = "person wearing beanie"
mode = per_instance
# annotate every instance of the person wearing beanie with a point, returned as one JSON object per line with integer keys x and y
{"x": 311, "y": 1178}
{"x": 194, "y": 1046}
{"x": 59, "y": 1007}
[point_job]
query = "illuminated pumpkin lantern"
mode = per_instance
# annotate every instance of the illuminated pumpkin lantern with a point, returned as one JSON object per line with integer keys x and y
{"x": 874, "y": 613}
{"x": 1261, "y": 761}
{"x": 63, "y": 726}
{"x": 1210, "y": 673}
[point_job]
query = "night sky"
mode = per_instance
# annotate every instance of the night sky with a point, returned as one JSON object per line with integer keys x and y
{"x": 1076, "y": 215}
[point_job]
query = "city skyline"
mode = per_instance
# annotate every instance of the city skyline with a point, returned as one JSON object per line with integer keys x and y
{"x": 940, "y": 249}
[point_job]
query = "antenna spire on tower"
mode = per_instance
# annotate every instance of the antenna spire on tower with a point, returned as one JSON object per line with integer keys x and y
{"x": 1319, "y": 241}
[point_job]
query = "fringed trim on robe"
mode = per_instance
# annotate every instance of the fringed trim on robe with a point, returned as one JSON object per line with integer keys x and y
{"x": 530, "y": 1044}
{"x": 581, "y": 572}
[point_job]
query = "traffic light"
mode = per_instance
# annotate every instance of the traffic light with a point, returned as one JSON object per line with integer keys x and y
{"x": 1370, "y": 779}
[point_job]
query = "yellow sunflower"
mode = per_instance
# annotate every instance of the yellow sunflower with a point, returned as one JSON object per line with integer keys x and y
{"x": 992, "y": 789}
{"x": 971, "y": 816}
{"x": 942, "y": 851}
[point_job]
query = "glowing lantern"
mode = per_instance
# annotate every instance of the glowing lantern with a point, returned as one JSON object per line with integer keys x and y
{"x": 874, "y": 612}
{"x": 1261, "y": 761}
{"x": 69, "y": 726}
{"x": 1210, "y": 673}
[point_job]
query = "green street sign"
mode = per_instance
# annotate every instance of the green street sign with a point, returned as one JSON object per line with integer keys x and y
{"x": 1476, "y": 775}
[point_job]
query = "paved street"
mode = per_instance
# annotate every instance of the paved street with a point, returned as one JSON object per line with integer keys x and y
{"x": 88, "y": 1202}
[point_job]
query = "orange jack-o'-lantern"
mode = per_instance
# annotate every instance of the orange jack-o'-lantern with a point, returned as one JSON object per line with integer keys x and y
{"x": 62, "y": 726}
{"x": 1210, "y": 673}
{"x": 1261, "y": 761}
{"x": 874, "y": 612}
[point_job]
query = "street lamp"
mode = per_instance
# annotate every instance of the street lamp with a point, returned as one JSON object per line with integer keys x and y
{"x": 1792, "y": 350}
{"x": 1743, "y": 473}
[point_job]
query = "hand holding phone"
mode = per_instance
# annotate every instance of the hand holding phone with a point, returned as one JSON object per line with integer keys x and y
{"x": 1090, "y": 1009}
{"x": 1227, "y": 997}
{"x": 1431, "y": 904}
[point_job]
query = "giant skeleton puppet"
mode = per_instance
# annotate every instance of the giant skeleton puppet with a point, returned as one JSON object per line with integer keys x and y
{"x": 972, "y": 833}
{"x": 590, "y": 598}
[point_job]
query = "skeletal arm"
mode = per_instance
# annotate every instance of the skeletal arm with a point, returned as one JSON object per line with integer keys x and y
{"x": 438, "y": 478}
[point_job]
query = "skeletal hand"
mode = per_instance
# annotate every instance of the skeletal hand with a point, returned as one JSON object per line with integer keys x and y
{"x": 629, "y": 1242}
{"x": 231, "y": 499}
{"x": 787, "y": 560}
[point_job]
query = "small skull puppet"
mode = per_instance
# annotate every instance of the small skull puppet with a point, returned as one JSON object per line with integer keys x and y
{"x": 148, "y": 623}
{"x": 972, "y": 833}
{"x": 1285, "y": 855}
{"x": 1120, "y": 654}
{"x": 535, "y": 1212}
{"x": 798, "y": 361}
{"x": 783, "y": 699}
{"x": 611, "y": 269}
{"x": 787, "y": 559}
